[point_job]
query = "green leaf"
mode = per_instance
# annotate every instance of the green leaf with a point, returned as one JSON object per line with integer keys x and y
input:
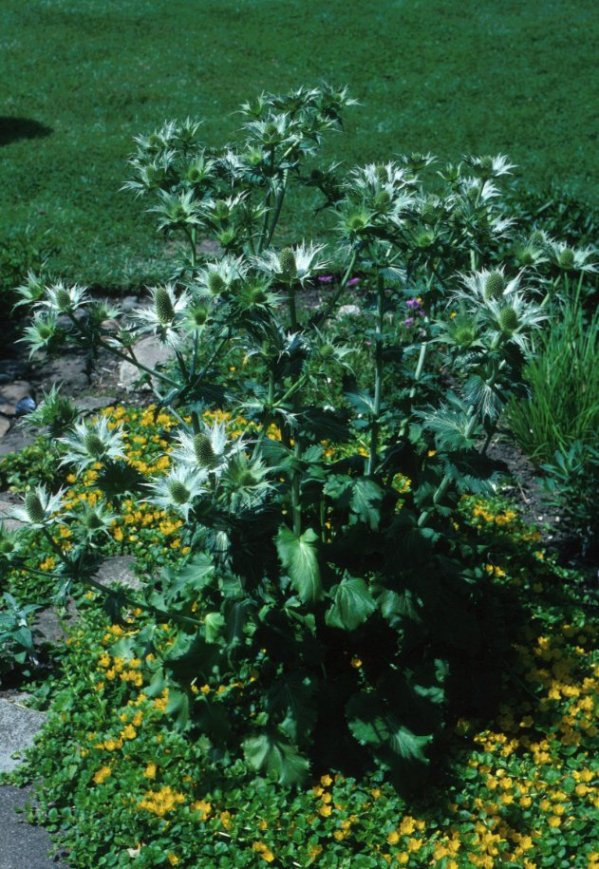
{"x": 195, "y": 575}
{"x": 352, "y": 604}
{"x": 178, "y": 705}
{"x": 292, "y": 698}
{"x": 213, "y": 625}
{"x": 365, "y": 501}
{"x": 298, "y": 556}
{"x": 373, "y": 725}
{"x": 278, "y": 759}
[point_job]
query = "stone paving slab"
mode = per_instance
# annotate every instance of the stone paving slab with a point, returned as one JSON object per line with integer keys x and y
{"x": 18, "y": 728}
{"x": 21, "y": 845}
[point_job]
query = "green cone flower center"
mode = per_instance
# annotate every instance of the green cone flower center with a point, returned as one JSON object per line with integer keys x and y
{"x": 216, "y": 283}
{"x": 94, "y": 445}
{"x": 288, "y": 264}
{"x": 494, "y": 286}
{"x": 566, "y": 258}
{"x": 34, "y": 507}
{"x": 179, "y": 493}
{"x": 508, "y": 320}
{"x": 164, "y": 307}
{"x": 63, "y": 300}
{"x": 203, "y": 451}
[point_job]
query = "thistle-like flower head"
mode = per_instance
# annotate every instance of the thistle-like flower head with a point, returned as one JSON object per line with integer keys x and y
{"x": 220, "y": 277}
{"x": 297, "y": 264}
{"x": 487, "y": 285}
{"x": 514, "y": 317}
{"x": 490, "y": 166}
{"x": 43, "y": 332}
{"x": 91, "y": 442}
{"x": 39, "y": 508}
{"x": 570, "y": 259}
{"x": 62, "y": 299}
{"x": 178, "y": 489}
{"x": 165, "y": 314}
{"x": 209, "y": 450}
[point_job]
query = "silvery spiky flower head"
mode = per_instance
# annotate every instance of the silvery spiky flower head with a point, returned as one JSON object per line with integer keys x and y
{"x": 486, "y": 285}
{"x": 178, "y": 489}
{"x": 244, "y": 483}
{"x": 32, "y": 291}
{"x": 64, "y": 300}
{"x": 39, "y": 508}
{"x": 569, "y": 259}
{"x": 208, "y": 450}
{"x": 42, "y": 333}
{"x": 222, "y": 276}
{"x": 296, "y": 264}
{"x": 94, "y": 521}
{"x": 514, "y": 317}
{"x": 91, "y": 442}
{"x": 177, "y": 210}
{"x": 165, "y": 314}
{"x": 490, "y": 166}
{"x": 54, "y": 412}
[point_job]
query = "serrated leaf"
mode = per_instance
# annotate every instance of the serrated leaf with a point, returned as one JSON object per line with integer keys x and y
{"x": 365, "y": 501}
{"x": 279, "y": 760}
{"x": 352, "y": 604}
{"x": 373, "y": 725}
{"x": 299, "y": 557}
{"x": 194, "y": 575}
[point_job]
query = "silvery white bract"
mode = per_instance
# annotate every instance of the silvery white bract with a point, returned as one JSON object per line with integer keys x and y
{"x": 209, "y": 450}
{"x": 178, "y": 490}
{"x": 166, "y": 313}
{"x": 92, "y": 442}
{"x": 486, "y": 285}
{"x": 298, "y": 264}
{"x": 64, "y": 300}
{"x": 220, "y": 277}
{"x": 39, "y": 508}
{"x": 571, "y": 259}
{"x": 491, "y": 166}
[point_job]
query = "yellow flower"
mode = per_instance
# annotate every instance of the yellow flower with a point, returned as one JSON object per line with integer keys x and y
{"x": 102, "y": 774}
{"x": 393, "y": 837}
{"x": 150, "y": 771}
{"x": 326, "y": 781}
{"x": 173, "y": 859}
{"x": 356, "y": 662}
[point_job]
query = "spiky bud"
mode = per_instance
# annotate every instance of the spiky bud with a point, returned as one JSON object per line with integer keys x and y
{"x": 494, "y": 286}
{"x": 287, "y": 262}
{"x": 566, "y": 259}
{"x": 464, "y": 335}
{"x": 34, "y": 507}
{"x": 63, "y": 299}
{"x": 178, "y": 492}
{"x": 326, "y": 351}
{"x": 199, "y": 315}
{"x": 164, "y": 307}
{"x": 508, "y": 320}
{"x": 94, "y": 445}
{"x": 203, "y": 451}
{"x": 216, "y": 283}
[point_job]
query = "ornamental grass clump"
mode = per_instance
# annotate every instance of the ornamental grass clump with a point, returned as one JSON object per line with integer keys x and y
{"x": 340, "y": 598}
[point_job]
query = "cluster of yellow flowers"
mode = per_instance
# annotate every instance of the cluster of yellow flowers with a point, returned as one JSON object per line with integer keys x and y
{"x": 162, "y": 801}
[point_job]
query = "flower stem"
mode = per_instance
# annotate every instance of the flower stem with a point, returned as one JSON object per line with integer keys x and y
{"x": 378, "y": 375}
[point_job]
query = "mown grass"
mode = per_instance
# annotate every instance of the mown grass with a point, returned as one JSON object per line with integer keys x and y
{"x": 431, "y": 75}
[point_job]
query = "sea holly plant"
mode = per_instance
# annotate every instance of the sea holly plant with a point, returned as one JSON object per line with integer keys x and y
{"x": 324, "y": 593}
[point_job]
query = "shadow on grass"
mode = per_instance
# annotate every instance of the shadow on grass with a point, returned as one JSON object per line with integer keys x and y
{"x": 13, "y": 129}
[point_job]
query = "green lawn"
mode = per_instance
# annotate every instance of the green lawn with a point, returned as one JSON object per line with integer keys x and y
{"x": 448, "y": 77}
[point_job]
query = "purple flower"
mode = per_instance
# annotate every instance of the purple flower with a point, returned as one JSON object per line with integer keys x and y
{"x": 414, "y": 304}
{"x": 353, "y": 281}
{"x": 325, "y": 279}
{"x": 408, "y": 322}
